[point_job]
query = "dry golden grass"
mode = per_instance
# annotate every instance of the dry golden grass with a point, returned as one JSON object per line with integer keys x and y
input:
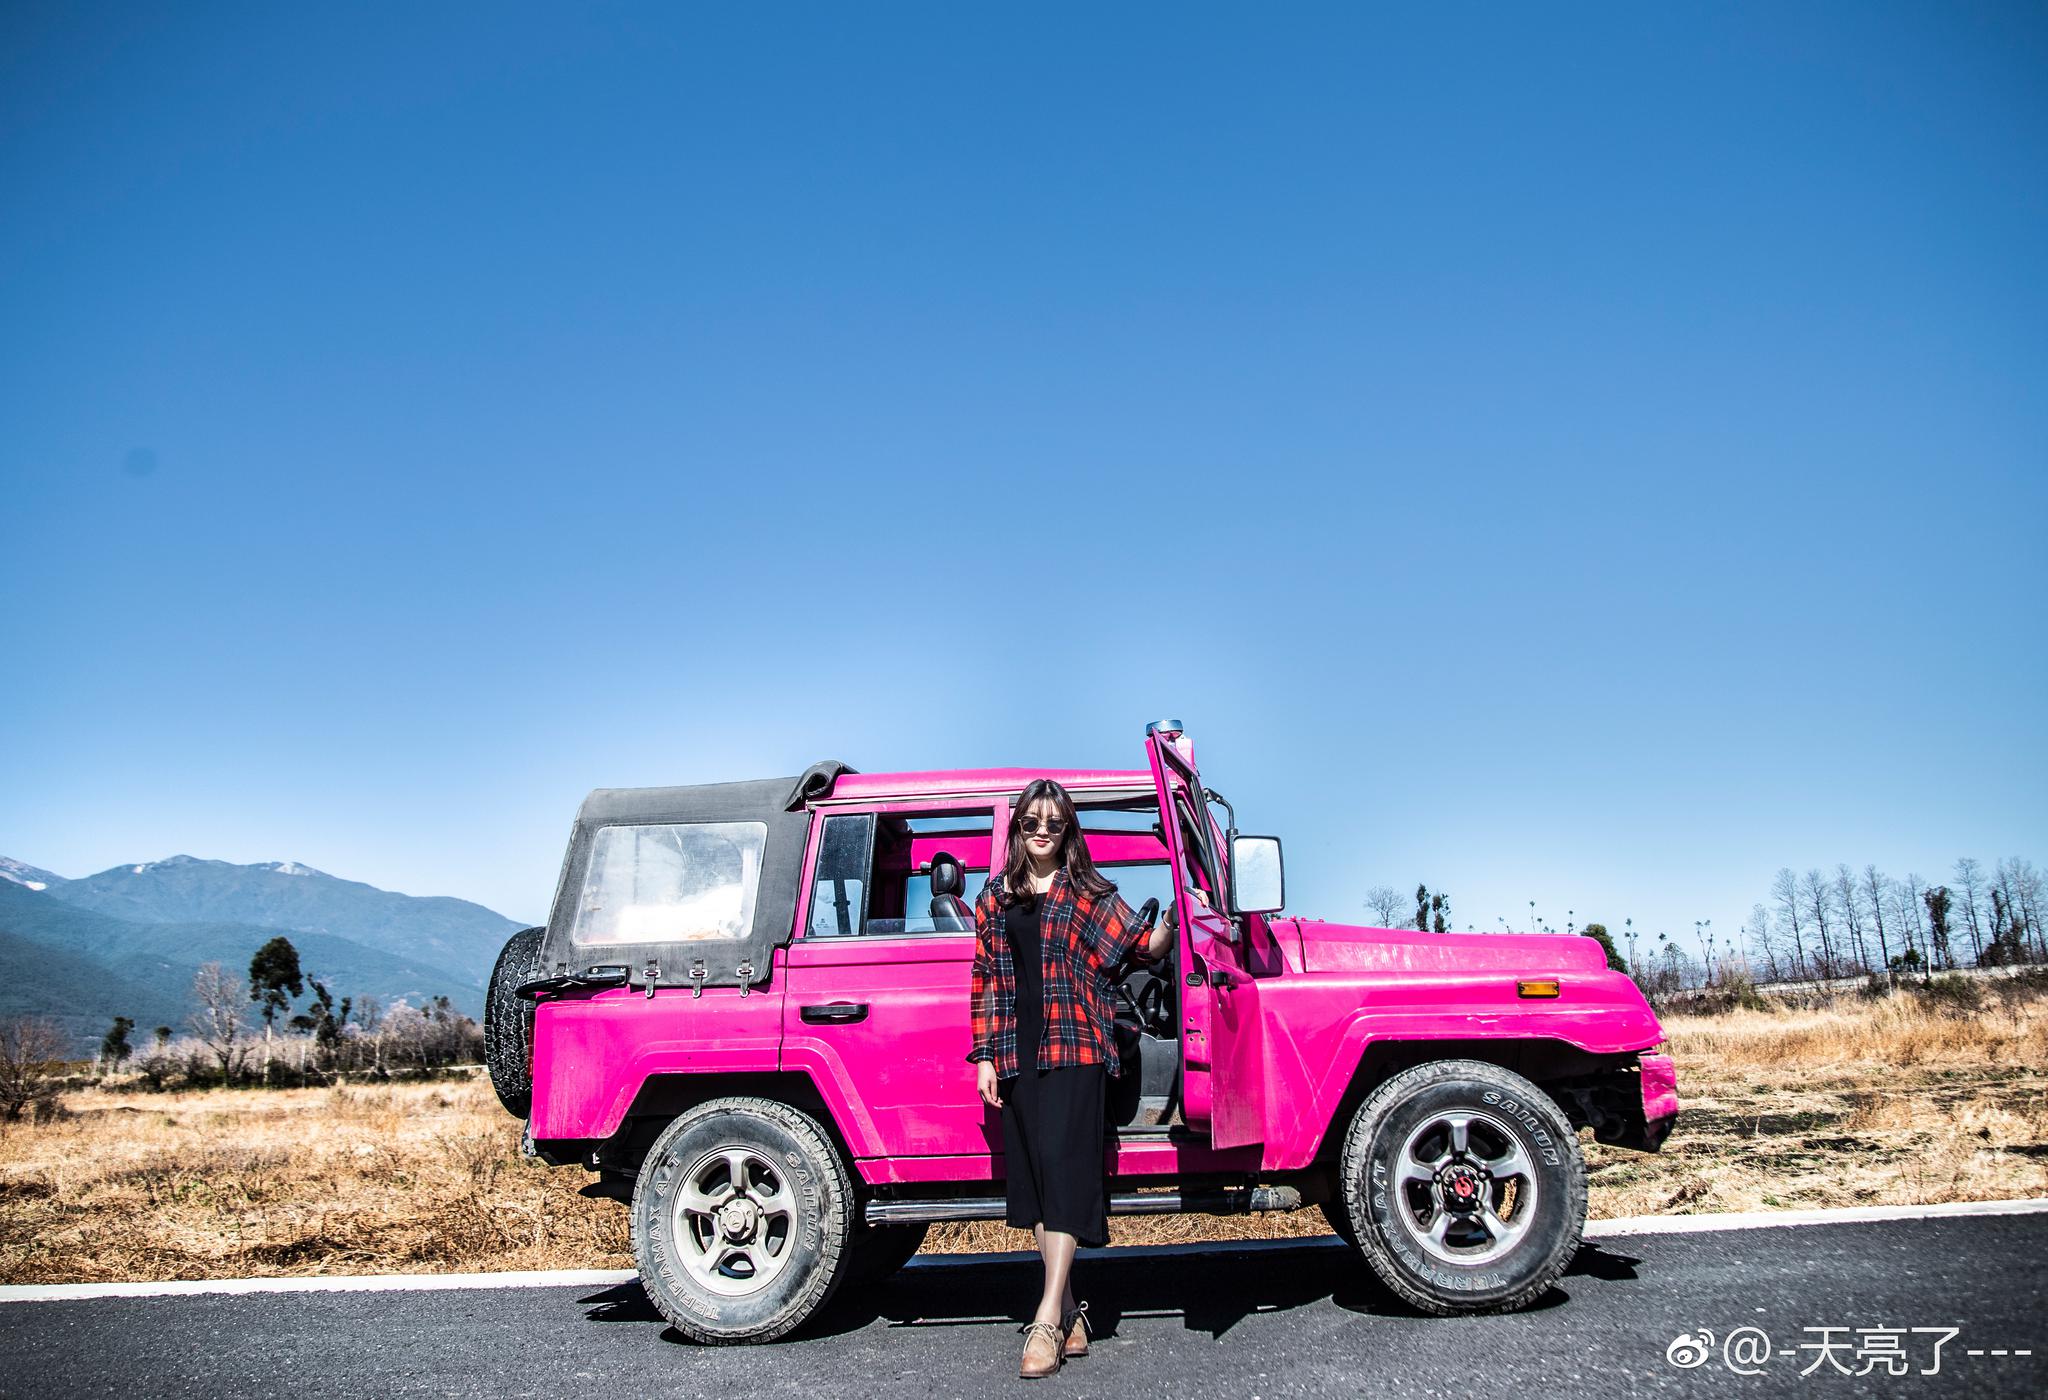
{"x": 1887, "y": 1103}
{"x": 232, "y": 1183}
{"x": 1863, "y": 1104}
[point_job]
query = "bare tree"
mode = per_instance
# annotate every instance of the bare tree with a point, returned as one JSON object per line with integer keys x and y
{"x": 2002, "y": 886}
{"x": 1816, "y": 896}
{"x": 402, "y": 1035}
{"x": 218, "y": 1021}
{"x": 1760, "y": 935}
{"x": 370, "y": 1014}
{"x": 1785, "y": 891}
{"x": 1873, "y": 890}
{"x": 1969, "y": 884}
{"x": 2027, "y": 896}
{"x": 1387, "y": 904}
{"x": 1850, "y": 917}
{"x": 31, "y": 1050}
{"x": 1906, "y": 909}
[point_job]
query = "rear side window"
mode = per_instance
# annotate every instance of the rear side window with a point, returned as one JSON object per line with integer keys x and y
{"x": 676, "y": 882}
{"x": 839, "y": 895}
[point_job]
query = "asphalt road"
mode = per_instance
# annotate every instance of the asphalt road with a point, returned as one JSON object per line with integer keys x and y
{"x": 1267, "y": 1322}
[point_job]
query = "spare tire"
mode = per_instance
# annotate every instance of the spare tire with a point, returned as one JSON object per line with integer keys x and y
{"x": 508, "y": 1022}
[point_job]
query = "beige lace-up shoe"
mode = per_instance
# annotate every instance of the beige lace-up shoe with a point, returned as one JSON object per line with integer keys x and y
{"x": 1041, "y": 1350}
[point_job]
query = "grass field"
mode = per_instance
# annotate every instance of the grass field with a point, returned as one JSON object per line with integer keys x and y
{"x": 1894, "y": 1102}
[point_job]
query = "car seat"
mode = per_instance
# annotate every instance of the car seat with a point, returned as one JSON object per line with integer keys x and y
{"x": 950, "y": 913}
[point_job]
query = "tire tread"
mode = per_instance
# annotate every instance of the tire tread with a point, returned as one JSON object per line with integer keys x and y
{"x": 825, "y": 1158}
{"x": 1352, "y": 1165}
{"x": 508, "y": 1022}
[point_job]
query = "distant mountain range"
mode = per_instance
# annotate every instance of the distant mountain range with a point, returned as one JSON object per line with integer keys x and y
{"x": 126, "y": 942}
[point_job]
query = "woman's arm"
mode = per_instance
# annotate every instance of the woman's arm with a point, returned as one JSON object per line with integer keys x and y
{"x": 1159, "y": 942}
{"x": 1120, "y": 935}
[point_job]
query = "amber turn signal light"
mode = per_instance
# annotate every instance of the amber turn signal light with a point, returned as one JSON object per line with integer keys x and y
{"x": 1536, "y": 989}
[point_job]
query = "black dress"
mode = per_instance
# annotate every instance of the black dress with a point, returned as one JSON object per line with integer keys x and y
{"x": 1052, "y": 1118}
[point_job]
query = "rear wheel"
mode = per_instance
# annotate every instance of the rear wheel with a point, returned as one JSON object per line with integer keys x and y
{"x": 1465, "y": 1185}
{"x": 741, "y": 1214}
{"x": 508, "y": 1022}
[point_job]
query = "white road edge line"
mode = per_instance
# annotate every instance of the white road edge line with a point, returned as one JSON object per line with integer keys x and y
{"x": 1833, "y": 1215}
{"x": 612, "y": 1278}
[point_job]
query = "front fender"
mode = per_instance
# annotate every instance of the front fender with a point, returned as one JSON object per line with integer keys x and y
{"x": 1320, "y": 1031}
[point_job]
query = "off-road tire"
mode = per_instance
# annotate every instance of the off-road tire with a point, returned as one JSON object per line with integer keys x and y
{"x": 877, "y": 1251}
{"x": 811, "y": 1168}
{"x": 508, "y": 1022}
{"x": 1366, "y": 1169}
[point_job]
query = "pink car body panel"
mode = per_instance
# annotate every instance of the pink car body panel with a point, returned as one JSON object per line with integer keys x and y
{"x": 1271, "y": 1036}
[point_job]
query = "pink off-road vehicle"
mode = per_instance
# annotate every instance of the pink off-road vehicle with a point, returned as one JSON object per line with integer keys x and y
{"x": 748, "y": 1015}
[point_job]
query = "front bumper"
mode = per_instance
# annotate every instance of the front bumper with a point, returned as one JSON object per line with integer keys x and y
{"x": 1660, "y": 1099}
{"x": 1633, "y": 1106}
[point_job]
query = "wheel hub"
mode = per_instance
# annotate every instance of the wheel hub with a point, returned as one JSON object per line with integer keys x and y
{"x": 738, "y": 1219}
{"x": 1463, "y": 1188}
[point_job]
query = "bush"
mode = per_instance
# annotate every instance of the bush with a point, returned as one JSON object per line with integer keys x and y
{"x": 1951, "y": 992}
{"x": 31, "y": 1051}
{"x": 2021, "y": 987}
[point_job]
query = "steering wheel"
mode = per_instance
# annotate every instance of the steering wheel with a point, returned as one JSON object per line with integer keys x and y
{"x": 1148, "y": 915}
{"x": 1149, "y": 1004}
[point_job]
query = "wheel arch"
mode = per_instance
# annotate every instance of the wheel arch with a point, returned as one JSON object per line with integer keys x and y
{"x": 662, "y": 1098}
{"x": 1542, "y": 1060}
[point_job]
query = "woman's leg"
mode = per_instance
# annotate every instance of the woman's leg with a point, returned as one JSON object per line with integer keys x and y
{"x": 1056, "y": 1247}
{"x": 1066, "y": 1297}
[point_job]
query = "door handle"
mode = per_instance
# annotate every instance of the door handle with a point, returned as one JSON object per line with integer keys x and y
{"x": 1219, "y": 978}
{"x": 835, "y": 1013}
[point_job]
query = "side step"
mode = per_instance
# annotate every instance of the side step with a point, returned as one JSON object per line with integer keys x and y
{"x": 1223, "y": 1200}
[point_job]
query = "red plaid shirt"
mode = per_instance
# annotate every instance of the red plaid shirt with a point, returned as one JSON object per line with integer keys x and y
{"x": 1082, "y": 943}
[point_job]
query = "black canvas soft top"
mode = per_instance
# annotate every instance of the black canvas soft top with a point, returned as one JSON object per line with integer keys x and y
{"x": 777, "y": 803}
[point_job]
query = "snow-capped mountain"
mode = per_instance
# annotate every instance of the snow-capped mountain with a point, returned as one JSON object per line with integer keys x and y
{"x": 22, "y": 873}
{"x": 127, "y": 940}
{"x": 291, "y": 895}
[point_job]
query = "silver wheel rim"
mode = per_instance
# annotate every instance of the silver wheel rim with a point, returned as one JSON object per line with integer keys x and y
{"x": 734, "y": 1221}
{"x": 1464, "y": 1188}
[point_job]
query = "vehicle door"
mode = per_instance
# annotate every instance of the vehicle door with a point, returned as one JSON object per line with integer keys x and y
{"x": 1224, "y": 1082}
{"x": 876, "y": 1008}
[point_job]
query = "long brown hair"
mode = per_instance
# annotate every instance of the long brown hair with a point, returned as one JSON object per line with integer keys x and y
{"x": 1073, "y": 852}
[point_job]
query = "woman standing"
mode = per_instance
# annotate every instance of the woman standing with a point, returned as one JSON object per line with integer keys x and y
{"x": 1050, "y": 934}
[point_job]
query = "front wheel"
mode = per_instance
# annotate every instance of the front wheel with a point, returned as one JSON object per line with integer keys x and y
{"x": 1465, "y": 1186}
{"x": 741, "y": 1213}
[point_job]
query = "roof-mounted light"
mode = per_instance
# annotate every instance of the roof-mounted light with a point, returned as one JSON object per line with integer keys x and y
{"x": 1164, "y": 726}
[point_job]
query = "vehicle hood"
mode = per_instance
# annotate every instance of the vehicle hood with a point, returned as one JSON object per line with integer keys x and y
{"x": 1328, "y": 947}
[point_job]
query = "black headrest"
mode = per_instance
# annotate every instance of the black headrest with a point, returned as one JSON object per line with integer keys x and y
{"x": 947, "y": 875}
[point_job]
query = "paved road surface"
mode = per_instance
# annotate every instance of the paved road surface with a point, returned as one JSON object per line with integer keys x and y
{"x": 1253, "y": 1321}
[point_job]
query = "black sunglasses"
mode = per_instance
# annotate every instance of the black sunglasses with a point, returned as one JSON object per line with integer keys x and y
{"x": 1053, "y": 825}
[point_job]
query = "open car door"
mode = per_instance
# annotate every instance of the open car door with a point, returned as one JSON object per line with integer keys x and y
{"x": 1224, "y": 1082}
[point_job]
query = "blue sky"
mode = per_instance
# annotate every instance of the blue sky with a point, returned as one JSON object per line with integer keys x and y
{"x": 1590, "y": 457}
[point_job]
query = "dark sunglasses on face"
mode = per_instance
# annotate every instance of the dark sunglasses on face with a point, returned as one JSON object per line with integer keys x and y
{"x": 1053, "y": 825}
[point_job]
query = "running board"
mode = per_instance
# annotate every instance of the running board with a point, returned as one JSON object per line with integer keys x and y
{"x": 1214, "y": 1201}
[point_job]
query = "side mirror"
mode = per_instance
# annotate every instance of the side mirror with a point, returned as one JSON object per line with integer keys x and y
{"x": 1257, "y": 881}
